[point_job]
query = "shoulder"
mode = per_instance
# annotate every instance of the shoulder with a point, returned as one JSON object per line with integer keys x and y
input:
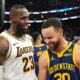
{"x": 43, "y": 59}
{"x": 77, "y": 54}
{"x": 44, "y": 46}
{"x": 3, "y": 40}
{"x": 4, "y": 46}
{"x": 28, "y": 36}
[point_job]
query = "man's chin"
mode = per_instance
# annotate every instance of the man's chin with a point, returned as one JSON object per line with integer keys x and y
{"x": 26, "y": 27}
{"x": 51, "y": 48}
{"x": 20, "y": 33}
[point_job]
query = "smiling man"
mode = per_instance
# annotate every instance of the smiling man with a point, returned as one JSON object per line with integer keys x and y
{"x": 16, "y": 48}
{"x": 63, "y": 58}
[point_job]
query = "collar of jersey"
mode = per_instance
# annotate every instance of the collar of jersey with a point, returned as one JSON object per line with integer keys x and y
{"x": 61, "y": 53}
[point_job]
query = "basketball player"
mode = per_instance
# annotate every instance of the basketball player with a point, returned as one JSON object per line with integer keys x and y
{"x": 39, "y": 48}
{"x": 63, "y": 60}
{"x": 16, "y": 48}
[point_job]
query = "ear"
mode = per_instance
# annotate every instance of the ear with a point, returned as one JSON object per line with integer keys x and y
{"x": 11, "y": 18}
{"x": 61, "y": 31}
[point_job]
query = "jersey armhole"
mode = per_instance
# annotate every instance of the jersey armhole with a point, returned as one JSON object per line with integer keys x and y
{"x": 48, "y": 59}
{"x": 74, "y": 56}
{"x": 9, "y": 51}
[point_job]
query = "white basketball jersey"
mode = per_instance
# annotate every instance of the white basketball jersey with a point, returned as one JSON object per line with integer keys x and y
{"x": 19, "y": 64}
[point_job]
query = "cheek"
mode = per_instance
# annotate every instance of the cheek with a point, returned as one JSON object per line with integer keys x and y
{"x": 54, "y": 39}
{"x": 22, "y": 22}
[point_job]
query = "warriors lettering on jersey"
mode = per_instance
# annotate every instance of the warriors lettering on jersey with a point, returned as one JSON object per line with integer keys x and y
{"x": 60, "y": 66}
{"x": 63, "y": 66}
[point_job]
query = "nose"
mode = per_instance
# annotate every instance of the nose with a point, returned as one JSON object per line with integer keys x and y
{"x": 27, "y": 20}
{"x": 47, "y": 41}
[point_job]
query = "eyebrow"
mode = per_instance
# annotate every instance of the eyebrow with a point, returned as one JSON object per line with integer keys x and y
{"x": 23, "y": 17}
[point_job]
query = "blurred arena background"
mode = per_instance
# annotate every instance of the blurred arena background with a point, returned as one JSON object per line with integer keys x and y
{"x": 67, "y": 10}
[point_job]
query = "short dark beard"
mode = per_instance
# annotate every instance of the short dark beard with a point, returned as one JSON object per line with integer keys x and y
{"x": 20, "y": 31}
{"x": 57, "y": 45}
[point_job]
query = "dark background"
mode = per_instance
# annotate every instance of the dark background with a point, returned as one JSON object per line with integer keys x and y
{"x": 71, "y": 26}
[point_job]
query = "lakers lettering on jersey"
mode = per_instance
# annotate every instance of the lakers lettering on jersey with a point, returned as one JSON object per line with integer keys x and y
{"x": 19, "y": 64}
{"x": 63, "y": 66}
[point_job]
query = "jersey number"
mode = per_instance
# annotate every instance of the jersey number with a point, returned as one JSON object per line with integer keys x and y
{"x": 26, "y": 61}
{"x": 62, "y": 76}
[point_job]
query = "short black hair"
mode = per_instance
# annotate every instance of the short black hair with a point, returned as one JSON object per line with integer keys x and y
{"x": 55, "y": 22}
{"x": 35, "y": 35}
{"x": 14, "y": 8}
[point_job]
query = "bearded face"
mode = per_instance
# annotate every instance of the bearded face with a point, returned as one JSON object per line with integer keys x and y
{"x": 52, "y": 37}
{"x": 53, "y": 45}
{"x": 20, "y": 29}
{"x": 20, "y": 21}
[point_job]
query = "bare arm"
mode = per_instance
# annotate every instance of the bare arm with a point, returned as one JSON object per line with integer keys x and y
{"x": 43, "y": 67}
{"x": 3, "y": 49}
{"x": 78, "y": 55}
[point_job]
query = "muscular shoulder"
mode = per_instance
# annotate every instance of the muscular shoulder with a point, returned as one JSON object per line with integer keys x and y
{"x": 43, "y": 60}
{"x": 3, "y": 47}
{"x": 77, "y": 54}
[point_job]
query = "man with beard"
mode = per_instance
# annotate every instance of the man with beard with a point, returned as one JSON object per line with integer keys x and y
{"x": 16, "y": 48}
{"x": 63, "y": 60}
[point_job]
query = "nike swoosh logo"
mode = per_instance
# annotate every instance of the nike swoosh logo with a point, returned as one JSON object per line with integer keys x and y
{"x": 15, "y": 44}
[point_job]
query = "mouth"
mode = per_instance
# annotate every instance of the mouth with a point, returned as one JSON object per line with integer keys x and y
{"x": 51, "y": 45}
{"x": 26, "y": 26}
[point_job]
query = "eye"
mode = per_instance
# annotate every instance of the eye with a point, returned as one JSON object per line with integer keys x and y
{"x": 24, "y": 17}
{"x": 50, "y": 37}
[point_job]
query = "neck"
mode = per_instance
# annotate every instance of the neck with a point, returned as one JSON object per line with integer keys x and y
{"x": 62, "y": 46}
{"x": 13, "y": 33}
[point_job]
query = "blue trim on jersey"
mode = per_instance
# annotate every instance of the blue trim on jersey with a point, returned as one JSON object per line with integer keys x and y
{"x": 37, "y": 52}
{"x": 63, "y": 68}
